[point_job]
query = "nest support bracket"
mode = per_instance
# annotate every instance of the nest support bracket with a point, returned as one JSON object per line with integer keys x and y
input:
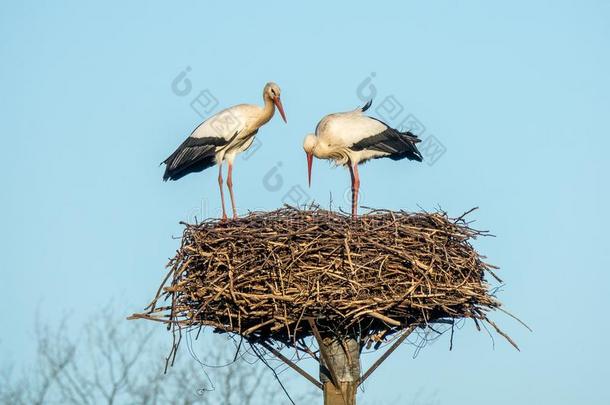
{"x": 292, "y": 365}
{"x": 339, "y": 365}
{"x": 387, "y": 353}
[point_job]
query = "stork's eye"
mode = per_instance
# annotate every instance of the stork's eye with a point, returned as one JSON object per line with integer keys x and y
{"x": 273, "y": 92}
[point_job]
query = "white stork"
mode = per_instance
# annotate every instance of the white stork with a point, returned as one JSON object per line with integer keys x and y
{"x": 350, "y": 138}
{"x": 222, "y": 137}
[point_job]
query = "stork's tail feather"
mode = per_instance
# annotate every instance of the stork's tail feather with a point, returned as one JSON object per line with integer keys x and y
{"x": 366, "y": 106}
{"x": 410, "y": 152}
{"x": 194, "y": 155}
{"x": 411, "y": 136}
{"x": 167, "y": 175}
{"x": 194, "y": 167}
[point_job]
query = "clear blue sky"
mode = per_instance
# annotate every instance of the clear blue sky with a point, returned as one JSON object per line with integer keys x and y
{"x": 518, "y": 94}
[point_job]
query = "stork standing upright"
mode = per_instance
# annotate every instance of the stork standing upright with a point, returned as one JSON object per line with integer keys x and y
{"x": 350, "y": 138}
{"x": 222, "y": 137}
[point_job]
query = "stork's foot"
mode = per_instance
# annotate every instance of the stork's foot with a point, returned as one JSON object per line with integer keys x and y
{"x": 224, "y": 218}
{"x": 235, "y": 216}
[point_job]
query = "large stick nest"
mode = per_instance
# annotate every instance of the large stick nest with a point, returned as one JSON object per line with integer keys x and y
{"x": 263, "y": 276}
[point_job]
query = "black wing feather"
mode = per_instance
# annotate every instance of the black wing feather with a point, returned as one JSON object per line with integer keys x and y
{"x": 398, "y": 145}
{"x": 193, "y": 155}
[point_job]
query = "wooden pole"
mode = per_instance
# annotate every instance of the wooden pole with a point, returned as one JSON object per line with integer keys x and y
{"x": 341, "y": 358}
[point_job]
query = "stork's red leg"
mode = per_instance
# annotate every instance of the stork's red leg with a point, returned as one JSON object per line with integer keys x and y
{"x": 230, "y": 184}
{"x": 356, "y": 190}
{"x": 353, "y": 170}
{"x": 222, "y": 194}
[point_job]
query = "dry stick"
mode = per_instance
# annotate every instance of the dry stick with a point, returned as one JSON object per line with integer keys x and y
{"x": 291, "y": 364}
{"x": 154, "y": 301}
{"x": 384, "y": 318}
{"x": 227, "y": 275}
{"x": 380, "y": 360}
{"x": 515, "y": 318}
{"x": 499, "y": 331}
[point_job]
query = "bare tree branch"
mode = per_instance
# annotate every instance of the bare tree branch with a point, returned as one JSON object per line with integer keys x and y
{"x": 110, "y": 361}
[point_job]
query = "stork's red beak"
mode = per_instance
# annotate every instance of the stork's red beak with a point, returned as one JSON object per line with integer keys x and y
{"x": 280, "y": 107}
{"x": 309, "y": 163}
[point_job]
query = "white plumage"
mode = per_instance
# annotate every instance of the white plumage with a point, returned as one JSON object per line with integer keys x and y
{"x": 350, "y": 138}
{"x": 221, "y": 138}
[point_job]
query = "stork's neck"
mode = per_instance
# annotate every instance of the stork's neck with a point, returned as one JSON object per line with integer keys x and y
{"x": 266, "y": 112}
{"x": 322, "y": 150}
{"x": 338, "y": 154}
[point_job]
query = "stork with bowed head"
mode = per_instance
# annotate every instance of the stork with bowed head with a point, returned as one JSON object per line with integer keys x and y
{"x": 221, "y": 138}
{"x": 351, "y": 138}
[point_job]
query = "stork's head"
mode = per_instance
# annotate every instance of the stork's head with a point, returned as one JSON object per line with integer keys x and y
{"x": 272, "y": 91}
{"x": 309, "y": 145}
